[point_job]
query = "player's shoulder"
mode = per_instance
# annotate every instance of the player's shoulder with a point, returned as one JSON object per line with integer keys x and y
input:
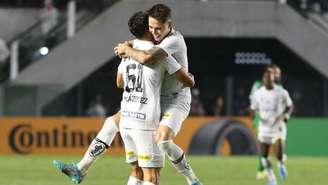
{"x": 281, "y": 90}
{"x": 257, "y": 84}
{"x": 175, "y": 35}
{"x": 142, "y": 44}
{"x": 260, "y": 90}
{"x": 279, "y": 87}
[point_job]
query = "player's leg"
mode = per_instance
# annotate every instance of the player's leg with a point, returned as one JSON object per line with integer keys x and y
{"x": 98, "y": 146}
{"x": 280, "y": 148}
{"x": 261, "y": 173}
{"x": 151, "y": 176}
{"x": 265, "y": 148}
{"x": 169, "y": 126}
{"x": 101, "y": 143}
{"x": 136, "y": 175}
{"x": 150, "y": 158}
{"x": 283, "y": 137}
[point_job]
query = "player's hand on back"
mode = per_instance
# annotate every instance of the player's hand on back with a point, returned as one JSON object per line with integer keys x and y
{"x": 120, "y": 49}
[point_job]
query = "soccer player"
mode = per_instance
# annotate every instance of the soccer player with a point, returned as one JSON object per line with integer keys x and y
{"x": 175, "y": 99}
{"x": 140, "y": 105}
{"x": 140, "y": 110}
{"x": 276, "y": 71}
{"x": 106, "y": 135}
{"x": 274, "y": 107}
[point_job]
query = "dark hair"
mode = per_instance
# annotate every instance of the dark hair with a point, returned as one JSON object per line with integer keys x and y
{"x": 160, "y": 12}
{"x": 272, "y": 66}
{"x": 138, "y": 24}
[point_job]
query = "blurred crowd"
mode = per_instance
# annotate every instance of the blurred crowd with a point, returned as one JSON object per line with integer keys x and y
{"x": 216, "y": 104}
{"x": 312, "y": 6}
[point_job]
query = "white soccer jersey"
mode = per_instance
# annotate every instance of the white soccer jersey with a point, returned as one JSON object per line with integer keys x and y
{"x": 140, "y": 105}
{"x": 175, "y": 46}
{"x": 270, "y": 104}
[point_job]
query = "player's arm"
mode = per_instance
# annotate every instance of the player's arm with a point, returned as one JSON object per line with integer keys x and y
{"x": 169, "y": 45}
{"x": 285, "y": 115}
{"x": 187, "y": 79}
{"x": 254, "y": 106}
{"x": 119, "y": 80}
{"x": 289, "y": 106}
{"x": 252, "y": 113}
{"x": 143, "y": 56}
{"x": 288, "y": 111}
{"x": 119, "y": 75}
{"x": 256, "y": 85}
{"x": 174, "y": 68}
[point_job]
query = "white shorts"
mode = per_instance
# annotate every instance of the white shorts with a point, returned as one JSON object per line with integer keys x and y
{"x": 140, "y": 146}
{"x": 174, "y": 112}
{"x": 273, "y": 137}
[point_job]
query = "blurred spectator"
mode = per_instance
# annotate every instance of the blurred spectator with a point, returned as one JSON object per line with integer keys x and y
{"x": 314, "y": 6}
{"x": 96, "y": 108}
{"x": 197, "y": 108}
{"x": 49, "y": 17}
{"x": 218, "y": 108}
{"x": 240, "y": 103}
{"x": 4, "y": 52}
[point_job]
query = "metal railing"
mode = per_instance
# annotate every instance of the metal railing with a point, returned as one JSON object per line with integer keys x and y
{"x": 34, "y": 44}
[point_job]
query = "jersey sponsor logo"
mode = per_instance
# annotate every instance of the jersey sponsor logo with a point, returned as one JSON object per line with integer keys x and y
{"x": 144, "y": 157}
{"x": 131, "y": 154}
{"x": 167, "y": 115}
{"x": 136, "y": 115}
{"x": 136, "y": 99}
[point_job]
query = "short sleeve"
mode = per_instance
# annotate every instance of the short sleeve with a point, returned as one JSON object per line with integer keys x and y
{"x": 256, "y": 85}
{"x": 171, "y": 65}
{"x": 121, "y": 66}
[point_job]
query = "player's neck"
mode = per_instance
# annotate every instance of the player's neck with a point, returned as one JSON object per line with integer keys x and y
{"x": 165, "y": 35}
{"x": 146, "y": 37}
{"x": 269, "y": 86}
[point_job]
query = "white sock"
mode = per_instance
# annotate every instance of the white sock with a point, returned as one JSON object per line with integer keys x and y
{"x": 271, "y": 175}
{"x": 284, "y": 158}
{"x": 280, "y": 163}
{"x": 147, "y": 183}
{"x": 99, "y": 145}
{"x": 134, "y": 181}
{"x": 177, "y": 157}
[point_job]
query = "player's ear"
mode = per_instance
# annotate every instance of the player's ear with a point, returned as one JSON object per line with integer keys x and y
{"x": 170, "y": 24}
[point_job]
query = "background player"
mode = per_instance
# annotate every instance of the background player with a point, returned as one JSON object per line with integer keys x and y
{"x": 274, "y": 106}
{"x": 276, "y": 72}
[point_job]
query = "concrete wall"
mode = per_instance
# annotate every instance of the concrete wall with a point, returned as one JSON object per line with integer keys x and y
{"x": 92, "y": 47}
{"x": 15, "y": 21}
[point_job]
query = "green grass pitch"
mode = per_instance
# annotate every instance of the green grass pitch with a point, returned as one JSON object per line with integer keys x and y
{"x": 109, "y": 170}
